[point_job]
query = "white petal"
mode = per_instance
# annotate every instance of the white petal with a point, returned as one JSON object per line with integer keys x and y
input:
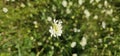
{"x": 73, "y": 44}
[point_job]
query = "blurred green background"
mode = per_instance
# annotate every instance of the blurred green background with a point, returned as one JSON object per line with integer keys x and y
{"x": 25, "y": 24}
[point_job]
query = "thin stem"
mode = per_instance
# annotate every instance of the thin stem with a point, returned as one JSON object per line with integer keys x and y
{"x": 19, "y": 52}
{"x": 103, "y": 51}
{"x": 40, "y": 52}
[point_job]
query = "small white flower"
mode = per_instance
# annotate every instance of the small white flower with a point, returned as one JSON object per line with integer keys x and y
{"x": 64, "y": 3}
{"x": 109, "y": 12}
{"x": 39, "y": 43}
{"x": 103, "y": 24}
{"x": 83, "y": 42}
{"x": 68, "y": 11}
{"x": 52, "y": 47}
{"x": 49, "y": 18}
{"x": 99, "y": 5}
{"x": 80, "y": 2}
{"x": 34, "y": 22}
{"x": 95, "y": 17}
{"x": 74, "y": 54}
{"x": 5, "y": 10}
{"x": 22, "y": 5}
{"x": 91, "y": 1}
{"x": 56, "y": 28}
{"x": 31, "y": 38}
{"x": 105, "y": 3}
{"x": 54, "y": 8}
{"x": 100, "y": 40}
{"x": 87, "y": 13}
{"x": 73, "y": 44}
{"x": 76, "y": 30}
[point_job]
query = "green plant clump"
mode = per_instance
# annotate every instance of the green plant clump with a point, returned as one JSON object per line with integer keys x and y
{"x": 59, "y": 28}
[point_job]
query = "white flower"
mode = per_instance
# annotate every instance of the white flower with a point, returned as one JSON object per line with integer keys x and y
{"x": 100, "y": 40}
{"x": 39, "y": 43}
{"x": 76, "y": 30}
{"x": 22, "y": 5}
{"x": 80, "y": 2}
{"x": 52, "y": 47}
{"x": 35, "y": 24}
{"x": 5, "y": 10}
{"x": 103, "y": 24}
{"x": 83, "y": 42}
{"x": 56, "y": 28}
{"x": 49, "y": 18}
{"x": 68, "y": 11}
{"x": 105, "y": 3}
{"x": 87, "y": 13}
{"x": 73, "y": 44}
{"x": 91, "y": 1}
{"x": 99, "y": 5}
{"x": 74, "y": 54}
{"x": 95, "y": 17}
{"x": 109, "y": 12}
{"x": 54, "y": 8}
{"x": 64, "y": 3}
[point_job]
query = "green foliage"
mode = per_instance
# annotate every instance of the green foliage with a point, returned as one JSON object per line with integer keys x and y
{"x": 25, "y": 24}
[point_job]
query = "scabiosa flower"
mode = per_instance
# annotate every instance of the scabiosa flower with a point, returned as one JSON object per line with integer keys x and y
{"x": 56, "y": 28}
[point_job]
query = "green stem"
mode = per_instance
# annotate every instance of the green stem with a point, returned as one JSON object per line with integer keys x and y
{"x": 19, "y": 52}
{"x": 40, "y": 52}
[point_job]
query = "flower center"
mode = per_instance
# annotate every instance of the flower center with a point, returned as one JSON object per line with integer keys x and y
{"x": 55, "y": 28}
